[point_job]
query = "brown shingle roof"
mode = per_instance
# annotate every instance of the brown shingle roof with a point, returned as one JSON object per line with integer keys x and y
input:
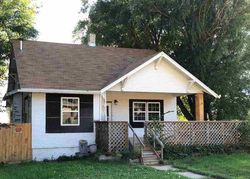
{"x": 73, "y": 67}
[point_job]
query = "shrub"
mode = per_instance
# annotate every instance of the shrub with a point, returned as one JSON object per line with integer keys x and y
{"x": 181, "y": 151}
{"x": 64, "y": 158}
{"x": 67, "y": 158}
{"x": 245, "y": 135}
{"x": 133, "y": 154}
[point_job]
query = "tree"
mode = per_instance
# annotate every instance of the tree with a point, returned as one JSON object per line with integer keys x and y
{"x": 209, "y": 38}
{"x": 16, "y": 22}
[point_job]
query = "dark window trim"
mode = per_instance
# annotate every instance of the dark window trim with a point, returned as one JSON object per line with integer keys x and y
{"x": 53, "y": 114}
{"x": 141, "y": 124}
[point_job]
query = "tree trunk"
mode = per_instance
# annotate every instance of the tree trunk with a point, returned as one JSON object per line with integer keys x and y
{"x": 184, "y": 110}
{"x": 191, "y": 101}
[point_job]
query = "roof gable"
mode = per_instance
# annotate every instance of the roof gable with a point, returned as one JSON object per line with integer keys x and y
{"x": 196, "y": 82}
{"x": 161, "y": 79}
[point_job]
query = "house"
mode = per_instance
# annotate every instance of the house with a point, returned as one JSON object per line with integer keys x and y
{"x": 62, "y": 89}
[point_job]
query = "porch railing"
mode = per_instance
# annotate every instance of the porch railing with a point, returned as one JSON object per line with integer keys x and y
{"x": 155, "y": 139}
{"x": 112, "y": 136}
{"x": 195, "y": 132}
{"x": 136, "y": 141}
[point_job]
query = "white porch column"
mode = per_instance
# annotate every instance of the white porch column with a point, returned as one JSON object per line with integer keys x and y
{"x": 97, "y": 107}
{"x": 103, "y": 107}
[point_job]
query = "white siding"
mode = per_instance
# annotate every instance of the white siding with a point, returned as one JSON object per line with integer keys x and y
{"x": 165, "y": 79}
{"x": 120, "y": 112}
{"x": 48, "y": 145}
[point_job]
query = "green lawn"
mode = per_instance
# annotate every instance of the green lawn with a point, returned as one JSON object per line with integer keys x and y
{"x": 84, "y": 168}
{"x": 227, "y": 166}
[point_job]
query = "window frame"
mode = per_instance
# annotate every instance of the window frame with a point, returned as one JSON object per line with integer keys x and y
{"x": 155, "y": 112}
{"x": 78, "y": 111}
{"x": 142, "y": 112}
{"x": 146, "y": 110}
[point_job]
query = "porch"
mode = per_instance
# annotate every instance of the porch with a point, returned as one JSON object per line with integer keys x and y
{"x": 135, "y": 108}
{"x": 113, "y": 136}
{"x": 151, "y": 91}
{"x": 148, "y": 94}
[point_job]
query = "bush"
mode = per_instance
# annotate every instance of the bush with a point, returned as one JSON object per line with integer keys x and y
{"x": 245, "y": 135}
{"x": 181, "y": 151}
{"x": 133, "y": 154}
{"x": 64, "y": 158}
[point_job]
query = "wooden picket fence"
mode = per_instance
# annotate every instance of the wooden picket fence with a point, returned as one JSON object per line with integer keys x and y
{"x": 111, "y": 136}
{"x": 196, "y": 132}
{"x": 15, "y": 142}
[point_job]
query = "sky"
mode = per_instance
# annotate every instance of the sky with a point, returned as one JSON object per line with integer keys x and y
{"x": 55, "y": 21}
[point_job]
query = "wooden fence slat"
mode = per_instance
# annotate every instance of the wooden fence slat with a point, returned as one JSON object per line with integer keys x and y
{"x": 15, "y": 143}
{"x": 1, "y": 144}
{"x": 7, "y": 150}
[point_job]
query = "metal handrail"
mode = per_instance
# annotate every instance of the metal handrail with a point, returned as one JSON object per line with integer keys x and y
{"x": 157, "y": 139}
{"x": 135, "y": 135}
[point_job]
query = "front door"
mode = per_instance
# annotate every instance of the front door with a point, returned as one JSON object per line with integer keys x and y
{"x": 109, "y": 111}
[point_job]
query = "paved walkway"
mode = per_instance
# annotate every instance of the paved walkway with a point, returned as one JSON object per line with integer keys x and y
{"x": 185, "y": 174}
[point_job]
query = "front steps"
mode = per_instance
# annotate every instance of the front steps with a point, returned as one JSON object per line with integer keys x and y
{"x": 149, "y": 156}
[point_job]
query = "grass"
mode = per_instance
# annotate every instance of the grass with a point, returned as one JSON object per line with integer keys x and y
{"x": 224, "y": 166}
{"x": 82, "y": 168}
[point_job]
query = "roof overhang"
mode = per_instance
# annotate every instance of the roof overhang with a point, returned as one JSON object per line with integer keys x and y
{"x": 58, "y": 91}
{"x": 158, "y": 57}
{"x": 163, "y": 56}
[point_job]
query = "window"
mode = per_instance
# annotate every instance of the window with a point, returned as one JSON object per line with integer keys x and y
{"x": 139, "y": 111}
{"x": 70, "y": 111}
{"x": 146, "y": 111}
{"x": 154, "y": 111}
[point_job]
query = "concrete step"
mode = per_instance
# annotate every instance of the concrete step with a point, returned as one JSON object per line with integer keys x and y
{"x": 149, "y": 157}
{"x": 150, "y": 162}
{"x": 147, "y": 148}
{"x": 148, "y": 152}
